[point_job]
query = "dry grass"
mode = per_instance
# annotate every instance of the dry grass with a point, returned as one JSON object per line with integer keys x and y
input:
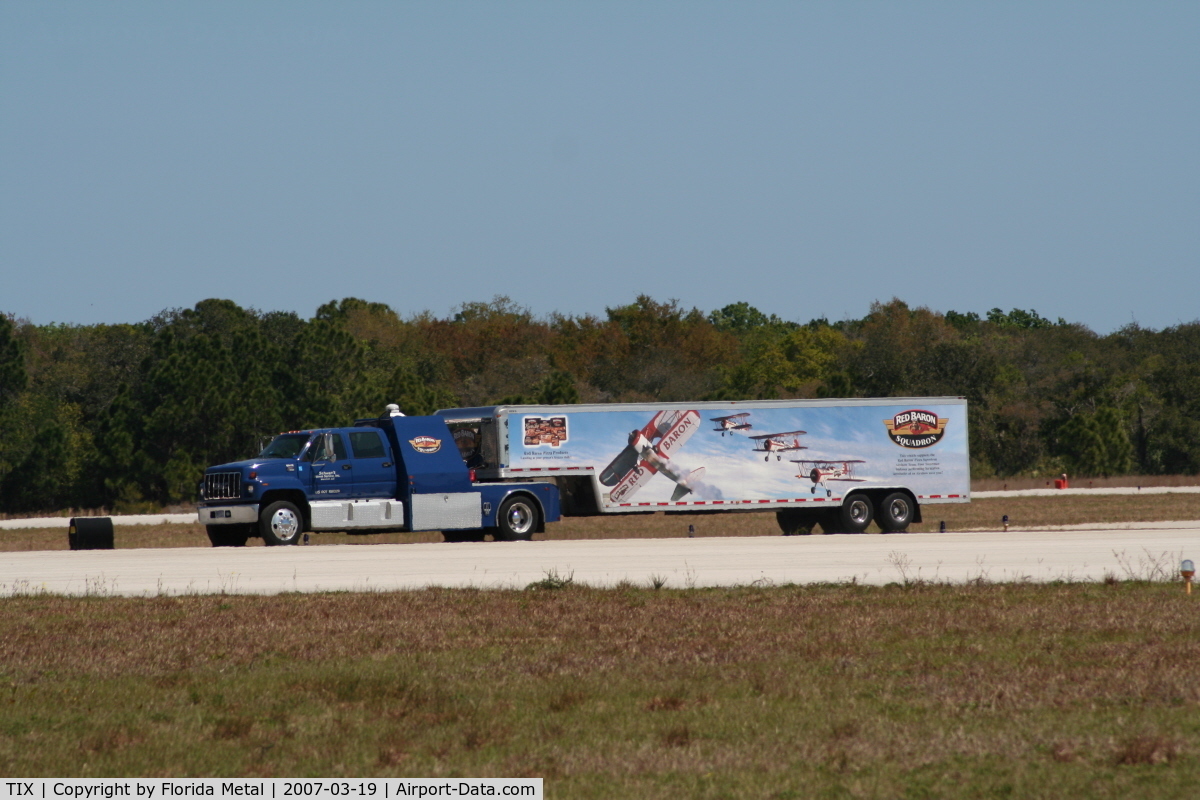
{"x": 1120, "y": 481}
{"x": 922, "y": 691}
{"x": 1036, "y": 512}
{"x": 126, "y": 537}
{"x": 1023, "y": 512}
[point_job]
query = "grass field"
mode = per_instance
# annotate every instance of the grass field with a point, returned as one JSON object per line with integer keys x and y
{"x": 986, "y": 514}
{"x": 980, "y": 690}
{"x": 916, "y": 690}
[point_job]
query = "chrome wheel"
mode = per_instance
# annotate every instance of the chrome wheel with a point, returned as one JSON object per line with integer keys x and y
{"x": 859, "y": 512}
{"x": 284, "y": 524}
{"x": 855, "y": 514}
{"x": 281, "y": 523}
{"x": 895, "y": 513}
{"x": 519, "y": 518}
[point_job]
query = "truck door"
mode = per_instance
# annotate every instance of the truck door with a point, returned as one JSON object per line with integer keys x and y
{"x": 332, "y": 473}
{"x": 373, "y": 467}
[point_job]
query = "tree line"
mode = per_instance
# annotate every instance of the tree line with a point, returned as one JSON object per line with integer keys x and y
{"x": 127, "y": 416}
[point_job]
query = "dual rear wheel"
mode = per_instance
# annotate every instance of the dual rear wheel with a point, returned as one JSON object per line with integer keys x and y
{"x": 892, "y": 515}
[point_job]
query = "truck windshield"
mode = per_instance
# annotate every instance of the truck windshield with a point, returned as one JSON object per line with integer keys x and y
{"x": 287, "y": 445}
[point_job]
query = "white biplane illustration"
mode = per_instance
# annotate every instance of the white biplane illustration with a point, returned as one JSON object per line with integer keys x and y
{"x": 820, "y": 472}
{"x": 734, "y": 423}
{"x": 778, "y": 443}
{"x": 649, "y": 452}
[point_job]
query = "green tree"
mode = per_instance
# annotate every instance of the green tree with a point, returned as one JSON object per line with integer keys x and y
{"x": 327, "y": 377}
{"x": 1019, "y": 318}
{"x": 740, "y": 318}
{"x": 415, "y": 395}
{"x": 1096, "y": 443}
{"x": 13, "y": 376}
{"x": 557, "y": 388}
{"x": 341, "y": 311}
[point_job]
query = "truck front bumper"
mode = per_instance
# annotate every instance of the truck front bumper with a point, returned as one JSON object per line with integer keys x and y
{"x": 227, "y": 515}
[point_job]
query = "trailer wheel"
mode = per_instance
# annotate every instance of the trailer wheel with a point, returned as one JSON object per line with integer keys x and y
{"x": 855, "y": 514}
{"x": 229, "y": 535}
{"x": 517, "y": 520}
{"x": 280, "y": 523}
{"x": 895, "y": 513}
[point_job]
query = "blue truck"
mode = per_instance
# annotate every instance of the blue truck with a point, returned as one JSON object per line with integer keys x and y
{"x": 507, "y": 470}
{"x": 393, "y": 473}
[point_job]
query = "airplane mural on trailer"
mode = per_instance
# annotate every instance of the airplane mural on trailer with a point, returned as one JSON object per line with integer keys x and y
{"x": 649, "y": 453}
{"x": 650, "y": 449}
{"x": 734, "y": 423}
{"x": 821, "y": 472}
{"x": 778, "y": 443}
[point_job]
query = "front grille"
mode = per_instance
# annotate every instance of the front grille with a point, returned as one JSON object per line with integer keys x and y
{"x": 223, "y": 486}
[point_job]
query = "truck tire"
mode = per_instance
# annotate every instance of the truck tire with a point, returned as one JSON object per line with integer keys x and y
{"x": 854, "y": 516}
{"x": 229, "y": 535}
{"x": 280, "y": 523}
{"x": 517, "y": 520}
{"x": 894, "y": 513}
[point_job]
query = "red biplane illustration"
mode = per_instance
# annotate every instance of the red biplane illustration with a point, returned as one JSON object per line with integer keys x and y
{"x": 649, "y": 452}
{"x": 731, "y": 424}
{"x": 819, "y": 472}
{"x": 778, "y": 443}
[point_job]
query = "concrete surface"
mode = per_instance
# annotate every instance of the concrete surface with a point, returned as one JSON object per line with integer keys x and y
{"x": 1079, "y": 554}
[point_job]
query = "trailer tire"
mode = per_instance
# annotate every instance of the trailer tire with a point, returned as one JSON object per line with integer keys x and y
{"x": 281, "y": 523}
{"x": 894, "y": 513}
{"x": 517, "y": 520}
{"x": 854, "y": 515}
{"x": 229, "y": 535}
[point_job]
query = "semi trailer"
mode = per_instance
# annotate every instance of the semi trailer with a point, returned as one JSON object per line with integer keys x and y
{"x": 508, "y": 470}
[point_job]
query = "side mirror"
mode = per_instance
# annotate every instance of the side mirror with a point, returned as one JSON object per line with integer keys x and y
{"x": 330, "y": 452}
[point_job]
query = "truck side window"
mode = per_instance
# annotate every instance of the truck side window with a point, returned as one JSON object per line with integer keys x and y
{"x": 317, "y": 449}
{"x": 366, "y": 444}
{"x": 467, "y": 438}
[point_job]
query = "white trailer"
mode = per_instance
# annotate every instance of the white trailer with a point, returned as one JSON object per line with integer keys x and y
{"x": 840, "y": 464}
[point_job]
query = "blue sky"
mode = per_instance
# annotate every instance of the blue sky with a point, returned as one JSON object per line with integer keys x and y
{"x": 805, "y": 157}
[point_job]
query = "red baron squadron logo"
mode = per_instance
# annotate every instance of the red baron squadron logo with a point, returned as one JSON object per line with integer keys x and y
{"x": 426, "y": 444}
{"x": 916, "y": 428}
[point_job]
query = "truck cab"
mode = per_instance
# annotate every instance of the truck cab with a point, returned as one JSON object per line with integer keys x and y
{"x": 392, "y": 473}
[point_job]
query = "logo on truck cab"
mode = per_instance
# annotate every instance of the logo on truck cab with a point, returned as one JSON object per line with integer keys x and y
{"x": 426, "y": 444}
{"x": 916, "y": 429}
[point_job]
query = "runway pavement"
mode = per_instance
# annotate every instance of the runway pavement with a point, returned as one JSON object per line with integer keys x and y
{"x": 188, "y": 518}
{"x": 1081, "y": 554}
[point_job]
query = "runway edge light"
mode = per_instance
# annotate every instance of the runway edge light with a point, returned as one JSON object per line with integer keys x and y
{"x": 1187, "y": 569}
